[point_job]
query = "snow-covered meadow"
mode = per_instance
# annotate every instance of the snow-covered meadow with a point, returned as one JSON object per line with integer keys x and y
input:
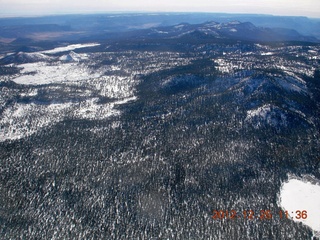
{"x": 76, "y": 85}
{"x": 22, "y": 119}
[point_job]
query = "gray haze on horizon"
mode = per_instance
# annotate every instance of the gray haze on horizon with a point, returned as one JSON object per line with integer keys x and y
{"x": 11, "y": 8}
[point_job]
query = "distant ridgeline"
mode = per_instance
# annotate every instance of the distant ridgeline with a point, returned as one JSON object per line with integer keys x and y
{"x": 76, "y": 27}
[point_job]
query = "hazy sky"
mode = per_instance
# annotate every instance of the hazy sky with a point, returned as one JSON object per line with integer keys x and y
{"x": 310, "y": 8}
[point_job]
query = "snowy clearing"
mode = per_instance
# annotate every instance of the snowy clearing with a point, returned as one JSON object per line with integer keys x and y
{"x": 46, "y": 73}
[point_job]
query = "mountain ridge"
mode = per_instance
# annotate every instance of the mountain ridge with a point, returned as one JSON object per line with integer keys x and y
{"x": 245, "y": 31}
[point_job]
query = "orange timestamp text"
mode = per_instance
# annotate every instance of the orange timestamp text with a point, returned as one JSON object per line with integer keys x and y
{"x": 260, "y": 215}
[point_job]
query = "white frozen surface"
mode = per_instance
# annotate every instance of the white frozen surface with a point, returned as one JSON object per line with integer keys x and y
{"x": 70, "y": 48}
{"x": 301, "y": 194}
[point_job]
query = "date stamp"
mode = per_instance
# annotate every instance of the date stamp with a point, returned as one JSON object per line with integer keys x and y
{"x": 259, "y": 215}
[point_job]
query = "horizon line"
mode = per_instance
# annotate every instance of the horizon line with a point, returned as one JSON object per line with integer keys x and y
{"x": 8, "y": 16}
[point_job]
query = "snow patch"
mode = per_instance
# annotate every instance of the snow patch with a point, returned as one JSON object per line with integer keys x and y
{"x": 302, "y": 194}
{"x": 260, "y": 111}
{"x": 267, "y": 53}
{"x": 30, "y": 93}
{"x": 179, "y": 26}
{"x": 161, "y": 32}
{"x": 268, "y": 114}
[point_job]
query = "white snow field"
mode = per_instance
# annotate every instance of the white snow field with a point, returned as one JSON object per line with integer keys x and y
{"x": 302, "y": 194}
{"x": 69, "y": 48}
{"x": 45, "y": 73}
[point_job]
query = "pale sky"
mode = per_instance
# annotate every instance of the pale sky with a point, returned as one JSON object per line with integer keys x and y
{"x": 310, "y": 8}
